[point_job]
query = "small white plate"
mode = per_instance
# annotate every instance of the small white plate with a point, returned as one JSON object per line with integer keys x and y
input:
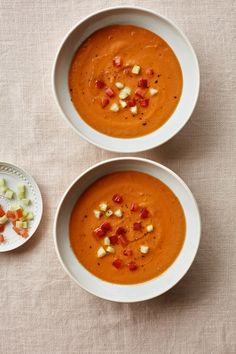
{"x": 143, "y": 18}
{"x": 14, "y": 176}
{"x": 134, "y": 292}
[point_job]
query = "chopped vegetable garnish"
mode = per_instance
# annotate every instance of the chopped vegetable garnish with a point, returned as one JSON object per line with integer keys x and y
{"x": 30, "y": 216}
{"x": 11, "y": 215}
{"x": 144, "y": 249}
{"x": 119, "y": 85}
{"x": 21, "y": 191}
{"x": 127, "y": 70}
{"x": 99, "y": 84}
{"x": 127, "y": 252}
{"x": 109, "y": 213}
{"x": 26, "y": 201}
{"x": 117, "y": 198}
{"x": 136, "y": 69}
{"x": 19, "y": 213}
{"x": 2, "y": 227}
{"x": 144, "y": 213}
{"x": 138, "y": 92}
{"x": 107, "y": 241}
{"x": 123, "y": 240}
{"x": 106, "y": 226}
{"x": 118, "y": 213}
{"x": 99, "y": 232}
{"x": 137, "y": 226}
{"x": 103, "y": 206}
{"x": 19, "y": 224}
{"x": 123, "y": 104}
{"x": 142, "y": 83}
{"x": 134, "y": 110}
{"x": 149, "y": 228}
{"x": 149, "y": 71}
{"x": 101, "y": 252}
{"x": 104, "y": 101}
{"x": 114, "y": 240}
{"x": 2, "y": 182}
{"x": 2, "y": 212}
{"x": 117, "y": 263}
{"x": 132, "y": 266}
{"x": 144, "y": 102}
{"x": 120, "y": 230}
{"x": 97, "y": 213}
{"x": 114, "y": 107}
{"x": 131, "y": 103}
{"x": 127, "y": 90}
{"x": 110, "y": 249}
{"x": 3, "y": 219}
{"x": 9, "y": 194}
{"x": 153, "y": 91}
{"x": 2, "y": 238}
{"x": 110, "y": 92}
{"x": 25, "y": 224}
{"x": 134, "y": 207}
{"x": 117, "y": 61}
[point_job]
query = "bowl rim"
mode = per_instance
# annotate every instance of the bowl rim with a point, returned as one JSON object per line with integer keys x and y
{"x": 108, "y": 161}
{"x": 88, "y": 138}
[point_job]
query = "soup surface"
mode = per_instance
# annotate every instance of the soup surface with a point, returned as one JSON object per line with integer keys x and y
{"x": 125, "y": 81}
{"x": 127, "y": 227}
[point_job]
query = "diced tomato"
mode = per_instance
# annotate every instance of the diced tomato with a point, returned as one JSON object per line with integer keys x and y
{"x": 134, "y": 207}
{"x": 117, "y": 61}
{"x": 142, "y": 83}
{"x": 144, "y": 213}
{"x": 131, "y": 103}
{"x": 99, "y": 232}
{"x": 117, "y": 263}
{"x": 149, "y": 71}
{"x": 127, "y": 252}
{"x": 123, "y": 240}
{"x": 11, "y": 215}
{"x": 127, "y": 70}
{"x": 17, "y": 230}
{"x": 132, "y": 266}
{"x": 120, "y": 230}
{"x": 2, "y": 239}
{"x": 139, "y": 93}
{"x": 144, "y": 102}
{"x": 2, "y": 212}
{"x": 2, "y": 227}
{"x": 137, "y": 226}
{"x": 104, "y": 101}
{"x": 99, "y": 84}
{"x": 19, "y": 213}
{"x": 24, "y": 233}
{"x": 114, "y": 240}
{"x": 117, "y": 198}
{"x": 110, "y": 92}
{"x": 105, "y": 226}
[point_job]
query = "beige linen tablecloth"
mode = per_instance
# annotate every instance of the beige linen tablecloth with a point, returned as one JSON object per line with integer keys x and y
{"x": 41, "y": 309}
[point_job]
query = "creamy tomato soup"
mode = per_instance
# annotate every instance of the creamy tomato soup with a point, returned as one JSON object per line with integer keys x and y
{"x": 125, "y": 81}
{"x": 127, "y": 227}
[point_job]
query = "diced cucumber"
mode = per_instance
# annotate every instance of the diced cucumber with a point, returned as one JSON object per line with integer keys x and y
{"x": 21, "y": 191}
{"x": 9, "y": 194}
{"x": 19, "y": 224}
{"x": 25, "y": 224}
{"x": 3, "y": 189}
{"x": 30, "y": 216}
{"x": 2, "y": 182}
{"x": 25, "y": 213}
{"x": 14, "y": 207}
{"x": 3, "y": 219}
{"x": 25, "y": 201}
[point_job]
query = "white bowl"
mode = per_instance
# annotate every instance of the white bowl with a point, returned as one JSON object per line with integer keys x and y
{"x": 153, "y": 22}
{"x": 141, "y": 291}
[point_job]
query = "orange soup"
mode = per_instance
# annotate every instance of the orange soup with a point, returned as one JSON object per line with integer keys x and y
{"x": 125, "y": 81}
{"x": 127, "y": 227}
